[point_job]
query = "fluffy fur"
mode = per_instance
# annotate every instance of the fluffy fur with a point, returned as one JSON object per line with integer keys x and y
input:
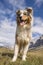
{"x": 23, "y": 32}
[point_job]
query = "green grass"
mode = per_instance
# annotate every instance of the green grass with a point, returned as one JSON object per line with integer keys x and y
{"x": 34, "y": 57}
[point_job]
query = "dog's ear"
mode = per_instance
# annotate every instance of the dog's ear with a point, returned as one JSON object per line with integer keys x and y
{"x": 18, "y": 12}
{"x": 29, "y": 10}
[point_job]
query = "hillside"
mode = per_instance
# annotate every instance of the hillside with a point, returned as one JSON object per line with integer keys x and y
{"x": 34, "y": 57}
{"x": 37, "y": 42}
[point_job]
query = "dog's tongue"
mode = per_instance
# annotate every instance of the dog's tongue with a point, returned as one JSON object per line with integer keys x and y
{"x": 22, "y": 23}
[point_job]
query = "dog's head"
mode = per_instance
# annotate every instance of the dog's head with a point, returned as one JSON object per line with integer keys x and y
{"x": 24, "y": 16}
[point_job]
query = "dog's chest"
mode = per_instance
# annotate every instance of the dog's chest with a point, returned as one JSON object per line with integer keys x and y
{"x": 23, "y": 33}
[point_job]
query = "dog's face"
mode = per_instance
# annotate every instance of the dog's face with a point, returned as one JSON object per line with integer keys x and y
{"x": 24, "y": 17}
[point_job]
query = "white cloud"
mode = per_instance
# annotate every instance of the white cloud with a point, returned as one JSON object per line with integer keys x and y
{"x": 38, "y": 29}
{"x": 7, "y": 32}
{"x": 38, "y": 26}
{"x": 17, "y": 3}
{"x": 38, "y": 21}
{"x": 38, "y": 2}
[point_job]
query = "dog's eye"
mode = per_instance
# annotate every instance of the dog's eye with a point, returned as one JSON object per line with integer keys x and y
{"x": 24, "y": 13}
{"x": 28, "y": 14}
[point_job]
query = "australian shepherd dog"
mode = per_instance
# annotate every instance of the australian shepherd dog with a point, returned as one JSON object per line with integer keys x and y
{"x": 23, "y": 32}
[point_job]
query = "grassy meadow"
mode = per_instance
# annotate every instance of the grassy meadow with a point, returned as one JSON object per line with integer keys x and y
{"x": 34, "y": 57}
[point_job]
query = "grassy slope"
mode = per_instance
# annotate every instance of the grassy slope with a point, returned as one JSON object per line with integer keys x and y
{"x": 34, "y": 57}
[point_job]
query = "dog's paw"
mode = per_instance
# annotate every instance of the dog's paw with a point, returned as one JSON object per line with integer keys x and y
{"x": 13, "y": 60}
{"x": 23, "y": 59}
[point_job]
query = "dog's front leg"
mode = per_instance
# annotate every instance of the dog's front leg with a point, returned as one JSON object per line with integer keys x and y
{"x": 15, "y": 53}
{"x": 25, "y": 52}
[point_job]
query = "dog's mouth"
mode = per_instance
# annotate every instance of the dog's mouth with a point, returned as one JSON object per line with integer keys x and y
{"x": 23, "y": 20}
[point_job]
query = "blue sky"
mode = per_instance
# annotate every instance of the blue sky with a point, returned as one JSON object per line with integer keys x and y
{"x": 8, "y": 10}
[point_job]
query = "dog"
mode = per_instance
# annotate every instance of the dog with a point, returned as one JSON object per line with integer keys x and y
{"x": 23, "y": 32}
